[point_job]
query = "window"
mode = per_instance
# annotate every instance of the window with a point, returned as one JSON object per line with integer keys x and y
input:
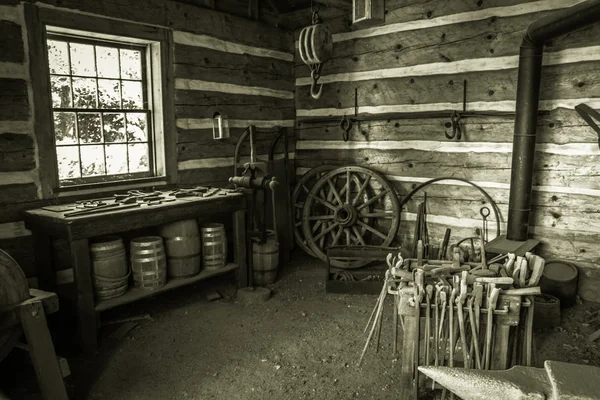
{"x": 107, "y": 117}
{"x": 100, "y": 110}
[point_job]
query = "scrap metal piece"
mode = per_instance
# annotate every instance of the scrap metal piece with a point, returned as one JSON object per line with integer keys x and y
{"x": 556, "y": 381}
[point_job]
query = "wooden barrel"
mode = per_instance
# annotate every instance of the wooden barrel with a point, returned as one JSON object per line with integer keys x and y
{"x": 183, "y": 247}
{"x": 214, "y": 246}
{"x": 560, "y": 279}
{"x": 546, "y": 313}
{"x": 109, "y": 267}
{"x": 265, "y": 261}
{"x": 148, "y": 262}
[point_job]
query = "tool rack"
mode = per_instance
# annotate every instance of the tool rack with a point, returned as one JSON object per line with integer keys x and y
{"x": 507, "y": 317}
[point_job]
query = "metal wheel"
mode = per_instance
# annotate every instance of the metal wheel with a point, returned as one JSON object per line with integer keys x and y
{"x": 299, "y": 194}
{"x": 350, "y": 206}
{"x": 13, "y": 289}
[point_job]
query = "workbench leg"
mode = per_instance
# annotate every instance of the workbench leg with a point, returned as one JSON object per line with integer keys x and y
{"x": 86, "y": 311}
{"x": 44, "y": 267}
{"x": 408, "y": 351}
{"x": 239, "y": 248}
{"x": 41, "y": 351}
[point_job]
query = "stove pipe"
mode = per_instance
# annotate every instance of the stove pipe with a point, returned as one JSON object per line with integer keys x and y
{"x": 528, "y": 92}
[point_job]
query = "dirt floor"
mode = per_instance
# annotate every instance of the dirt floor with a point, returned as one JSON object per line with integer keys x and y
{"x": 301, "y": 344}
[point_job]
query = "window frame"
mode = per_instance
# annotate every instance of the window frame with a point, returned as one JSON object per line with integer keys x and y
{"x": 160, "y": 94}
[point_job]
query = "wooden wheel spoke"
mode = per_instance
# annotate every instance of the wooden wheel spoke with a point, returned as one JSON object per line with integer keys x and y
{"x": 325, "y": 203}
{"x": 320, "y": 217}
{"x": 372, "y": 230}
{"x": 385, "y": 215}
{"x": 347, "y": 187}
{"x": 361, "y": 190}
{"x": 348, "y": 236}
{"x": 322, "y": 240}
{"x": 305, "y": 189}
{"x": 325, "y": 231}
{"x": 335, "y": 192}
{"x": 358, "y": 236}
{"x": 373, "y": 199}
{"x": 336, "y": 238}
{"x": 316, "y": 226}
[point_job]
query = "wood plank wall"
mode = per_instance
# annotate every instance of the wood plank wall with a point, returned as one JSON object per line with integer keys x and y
{"x": 241, "y": 68}
{"x": 418, "y": 61}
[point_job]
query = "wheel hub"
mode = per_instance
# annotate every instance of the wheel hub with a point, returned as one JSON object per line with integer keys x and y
{"x": 346, "y": 215}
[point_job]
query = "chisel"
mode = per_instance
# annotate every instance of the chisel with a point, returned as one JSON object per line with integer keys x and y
{"x": 418, "y": 289}
{"x": 428, "y": 294}
{"x": 493, "y": 293}
{"x": 460, "y": 302}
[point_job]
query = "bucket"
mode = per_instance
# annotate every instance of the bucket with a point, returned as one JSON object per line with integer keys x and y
{"x": 265, "y": 260}
{"x": 183, "y": 248}
{"x": 214, "y": 246}
{"x": 546, "y": 313}
{"x": 109, "y": 267}
{"x": 148, "y": 262}
{"x": 560, "y": 279}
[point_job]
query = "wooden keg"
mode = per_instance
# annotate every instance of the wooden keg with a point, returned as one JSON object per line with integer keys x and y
{"x": 148, "y": 262}
{"x": 13, "y": 290}
{"x": 183, "y": 247}
{"x": 214, "y": 246}
{"x": 109, "y": 267}
{"x": 315, "y": 44}
{"x": 265, "y": 260}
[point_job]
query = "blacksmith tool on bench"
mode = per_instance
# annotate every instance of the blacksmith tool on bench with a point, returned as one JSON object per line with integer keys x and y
{"x": 556, "y": 381}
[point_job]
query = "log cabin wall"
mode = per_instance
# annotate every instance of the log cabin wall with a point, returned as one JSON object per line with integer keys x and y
{"x": 222, "y": 62}
{"x": 417, "y": 61}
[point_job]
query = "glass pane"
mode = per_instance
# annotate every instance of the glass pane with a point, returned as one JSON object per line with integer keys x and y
{"x": 64, "y": 128}
{"x": 138, "y": 157}
{"x": 109, "y": 93}
{"x": 114, "y": 127}
{"x": 131, "y": 64}
{"x": 107, "y": 61}
{"x": 82, "y": 59}
{"x": 60, "y": 86}
{"x": 132, "y": 95}
{"x": 136, "y": 127}
{"x": 92, "y": 160}
{"x": 84, "y": 93}
{"x": 68, "y": 162}
{"x": 58, "y": 57}
{"x": 89, "y": 128}
{"x": 116, "y": 159}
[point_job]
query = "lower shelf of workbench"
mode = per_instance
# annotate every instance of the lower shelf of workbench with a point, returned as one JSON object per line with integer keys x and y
{"x": 135, "y": 294}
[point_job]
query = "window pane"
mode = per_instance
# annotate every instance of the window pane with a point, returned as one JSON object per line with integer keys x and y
{"x": 60, "y": 86}
{"x": 82, "y": 59}
{"x": 114, "y": 127}
{"x": 58, "y": 57}
{"x": 107, "y": 60}
{"x": 116, "y": 159}
{"x": 64, "y": 128}
{"x": 68, "y": 162}
{"x": 136, "y": 127}
{"x": 84, "y": 93}
{"x": 92, "y": 160}
{"x": 138, "y": 157}
{"x": 131, "y": 64}
{"x": 109, "y": 93}
{"x": 132, "y": 95}
{"x": 89, "y": 128}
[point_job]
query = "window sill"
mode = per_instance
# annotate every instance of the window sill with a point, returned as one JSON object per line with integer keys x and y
{"x": 110, "y": 187}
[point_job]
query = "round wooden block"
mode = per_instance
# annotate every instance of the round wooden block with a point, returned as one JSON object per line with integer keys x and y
{"x": 253, "y": 295}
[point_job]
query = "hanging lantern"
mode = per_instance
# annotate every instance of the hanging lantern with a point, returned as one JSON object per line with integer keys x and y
{"x": 316, "y": 47}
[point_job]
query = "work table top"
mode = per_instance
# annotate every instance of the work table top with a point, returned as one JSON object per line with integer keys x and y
{"x": 113, "y": 220}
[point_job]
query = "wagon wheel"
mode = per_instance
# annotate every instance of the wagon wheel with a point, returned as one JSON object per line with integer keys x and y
{"x": 350, "y": 206}
{"x": 299, "y": 194}
{"x": 13, "y": 289}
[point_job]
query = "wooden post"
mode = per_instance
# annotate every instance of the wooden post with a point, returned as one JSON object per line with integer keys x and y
{"x": 44, "y": 268}
{"x": 41, "y": 351}
{"x": 239, "y": 250}
{"x": 253, "y": 9}
{"x": 408, "y": 347}
{"x": 86, "y": 311}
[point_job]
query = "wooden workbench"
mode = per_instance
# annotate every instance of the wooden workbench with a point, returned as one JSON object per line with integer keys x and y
{"x": 46, "y": 225}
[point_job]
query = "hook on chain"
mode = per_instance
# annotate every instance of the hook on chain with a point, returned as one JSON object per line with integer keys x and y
{"x": 315, "y": 74}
